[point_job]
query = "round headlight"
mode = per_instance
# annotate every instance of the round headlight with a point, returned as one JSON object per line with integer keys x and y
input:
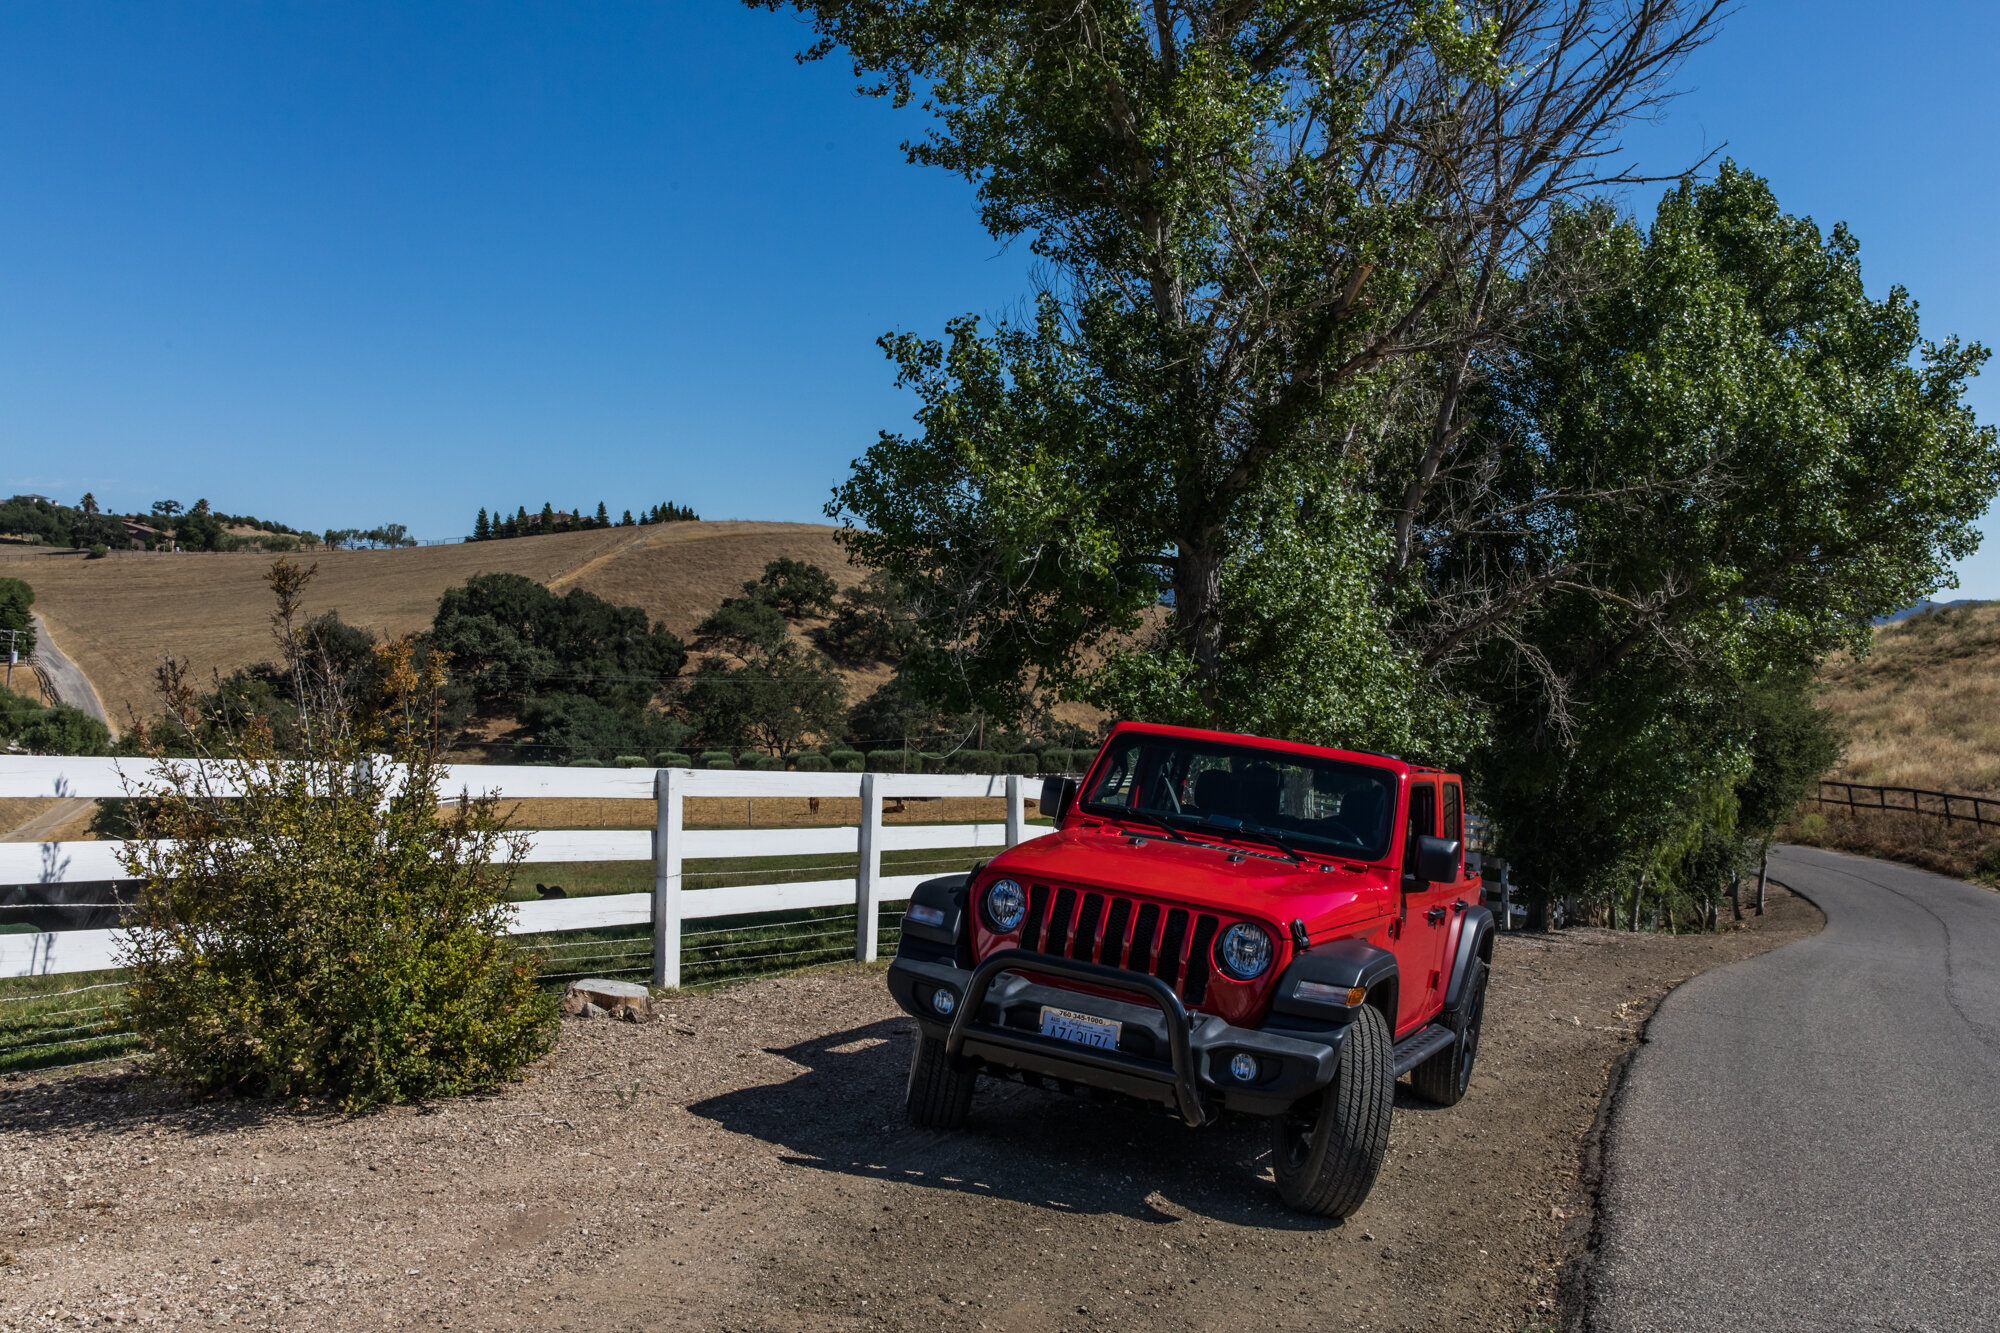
{"x": 1243, "y": 951}
{"x": 1005, "y": 905}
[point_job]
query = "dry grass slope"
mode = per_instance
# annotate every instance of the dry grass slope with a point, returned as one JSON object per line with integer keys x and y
{"x": 118, "y": 616}
{"x": 1923, "y": 709}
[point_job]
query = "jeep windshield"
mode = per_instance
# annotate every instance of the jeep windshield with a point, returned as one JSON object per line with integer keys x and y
{"x": 1240, "y": 791}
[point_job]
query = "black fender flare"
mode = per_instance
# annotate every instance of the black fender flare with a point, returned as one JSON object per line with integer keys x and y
{"x": 1475, "y": 940}
{"x": 950, "y": 939}
{"x": 1342, "y": 965}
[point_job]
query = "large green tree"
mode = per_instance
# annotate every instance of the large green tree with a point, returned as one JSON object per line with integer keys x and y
{"x": 1260, "y": 217}
{"x": 1726, "y": 460}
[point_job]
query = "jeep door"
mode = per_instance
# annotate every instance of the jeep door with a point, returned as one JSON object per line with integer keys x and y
{"x": 1426, "y": 917}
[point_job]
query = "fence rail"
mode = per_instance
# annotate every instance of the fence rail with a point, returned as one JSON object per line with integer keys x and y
{"x": 669, "y": 845}
{"x": 1909, "y": 801}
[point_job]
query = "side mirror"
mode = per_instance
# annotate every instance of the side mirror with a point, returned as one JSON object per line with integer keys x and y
{"x": 1437, "y": 859}
{"x": 1057, "y": 793}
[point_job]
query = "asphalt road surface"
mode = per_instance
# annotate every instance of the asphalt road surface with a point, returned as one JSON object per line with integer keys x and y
{"x": 1811, "y": 1139}
{"x": 65, "y": 677}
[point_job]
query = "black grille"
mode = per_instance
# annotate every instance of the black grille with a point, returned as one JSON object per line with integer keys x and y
{"x": 1085, "y": 924}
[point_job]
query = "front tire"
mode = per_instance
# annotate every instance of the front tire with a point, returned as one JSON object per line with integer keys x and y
{"x": 940, "y": 1093}
{"x": 1327, "y": 1150}
{"x": 1444, "y": 1077}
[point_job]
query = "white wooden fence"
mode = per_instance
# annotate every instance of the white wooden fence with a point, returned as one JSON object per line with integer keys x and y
{"x": 668, "y": 846}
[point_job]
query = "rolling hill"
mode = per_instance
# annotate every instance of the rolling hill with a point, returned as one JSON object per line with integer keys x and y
{"x": 117, "y": 616}
{"x": 1923, "y": 708}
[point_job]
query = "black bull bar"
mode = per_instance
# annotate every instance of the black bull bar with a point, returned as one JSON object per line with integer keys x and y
{"x": 1115, "y": 1069}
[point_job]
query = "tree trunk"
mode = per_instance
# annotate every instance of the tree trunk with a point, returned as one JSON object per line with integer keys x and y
{"x": 1198, "y": 605}
{"x": 1736, "y": 897}
{"x": 1638, "y": 896}
{"x": 1763, "y": 869}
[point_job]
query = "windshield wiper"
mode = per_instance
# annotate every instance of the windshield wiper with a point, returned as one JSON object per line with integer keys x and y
{"x": 1154, "y": 821}
{"x": 1236, "y": 828}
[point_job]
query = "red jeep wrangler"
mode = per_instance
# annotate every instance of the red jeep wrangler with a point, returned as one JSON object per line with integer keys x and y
{"x": 1220, "y": 922}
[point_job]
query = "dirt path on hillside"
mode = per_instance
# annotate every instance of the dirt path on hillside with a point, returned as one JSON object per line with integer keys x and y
{"x": 62, "y": 676}
{"x": 745, "y": 1165}
{"x": 48, "y": 823}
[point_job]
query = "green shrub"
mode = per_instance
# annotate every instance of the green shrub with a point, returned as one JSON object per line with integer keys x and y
{"x": 903, "y": 761}
{"x": 324, "y": 934}
{"x": 811, "y": 763}
{"x": 586, "y": 763}
{"x": 977, "y": 761}
{"x": 672, "y": 759}
{"x": 847, "y": 761}
{"x": 717, "y": 759}
{"x": 629, "y": 761}
{"x": 1023, "y": 763}
{"x": 1057, "y": 761}
{"x": 97, "y": 551}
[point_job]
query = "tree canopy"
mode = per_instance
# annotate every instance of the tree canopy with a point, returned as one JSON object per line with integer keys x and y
{"x": 1349, "y": 410}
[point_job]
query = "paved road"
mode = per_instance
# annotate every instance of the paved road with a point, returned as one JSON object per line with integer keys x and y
{"x": 1811, "y": 1139}
{"x": 65, "y": 677}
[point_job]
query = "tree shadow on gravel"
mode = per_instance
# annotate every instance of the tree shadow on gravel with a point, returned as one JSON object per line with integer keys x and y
{"x": 120, "y": 1100}
{"x": 844, "y": 1114}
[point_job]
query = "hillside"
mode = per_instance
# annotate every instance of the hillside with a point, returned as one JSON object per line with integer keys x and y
{"x": 117, "y": 616}
{"x": 1923, "y": 709}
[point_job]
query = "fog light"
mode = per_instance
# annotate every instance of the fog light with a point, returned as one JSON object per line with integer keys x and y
{"x": 943, "y": 1001}
{"x": 1243, "y": 1067}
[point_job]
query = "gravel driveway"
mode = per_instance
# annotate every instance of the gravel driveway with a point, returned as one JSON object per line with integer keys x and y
{"x": 745, "y": 1165}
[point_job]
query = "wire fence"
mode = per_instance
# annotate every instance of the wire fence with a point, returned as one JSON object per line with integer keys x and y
{"x": 54, "y": 1021}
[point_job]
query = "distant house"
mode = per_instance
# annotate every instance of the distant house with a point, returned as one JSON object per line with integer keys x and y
{"x": 143, "y": 533}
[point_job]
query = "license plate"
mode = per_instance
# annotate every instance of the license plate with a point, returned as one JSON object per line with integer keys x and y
{"x": 1083, "y": 1029}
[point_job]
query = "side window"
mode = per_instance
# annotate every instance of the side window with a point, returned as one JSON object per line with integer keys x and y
{"x": 1454, "y": 824}
{"x": 1422, "y": 821}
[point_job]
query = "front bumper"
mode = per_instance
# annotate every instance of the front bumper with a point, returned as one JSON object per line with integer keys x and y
{"x": 1165, "y": 1054}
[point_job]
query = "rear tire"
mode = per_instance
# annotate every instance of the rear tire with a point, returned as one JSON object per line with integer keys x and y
{"x": 940, "y": 1092}
{"x": 1327, "y": 1150}
{"x": 1444, "y": 1077}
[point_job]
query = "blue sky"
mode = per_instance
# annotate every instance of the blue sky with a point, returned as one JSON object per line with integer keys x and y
{"x": 348, "y": 264}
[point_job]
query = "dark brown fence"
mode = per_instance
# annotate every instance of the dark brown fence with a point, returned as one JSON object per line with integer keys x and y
{"x": 1867, "y": 799}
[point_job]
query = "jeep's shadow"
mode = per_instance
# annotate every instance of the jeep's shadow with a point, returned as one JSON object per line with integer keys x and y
{"x": 844, "y": 1113}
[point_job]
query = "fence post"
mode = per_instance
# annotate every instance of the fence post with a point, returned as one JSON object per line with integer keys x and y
{"x": 1017, "y": 813}
{"x": 667, "y": 845}
{"x": 868, "y": 874}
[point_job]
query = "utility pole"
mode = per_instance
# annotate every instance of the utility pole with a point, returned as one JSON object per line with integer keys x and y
{"x": 13, "y": 654}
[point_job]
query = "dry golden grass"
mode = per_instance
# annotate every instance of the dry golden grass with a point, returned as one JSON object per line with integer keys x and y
{"x": 763, "y": 812}
{"x": 1923, "y": 709}
{"x": 1960, "y": 849}
{"x": 117, "y": 617}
